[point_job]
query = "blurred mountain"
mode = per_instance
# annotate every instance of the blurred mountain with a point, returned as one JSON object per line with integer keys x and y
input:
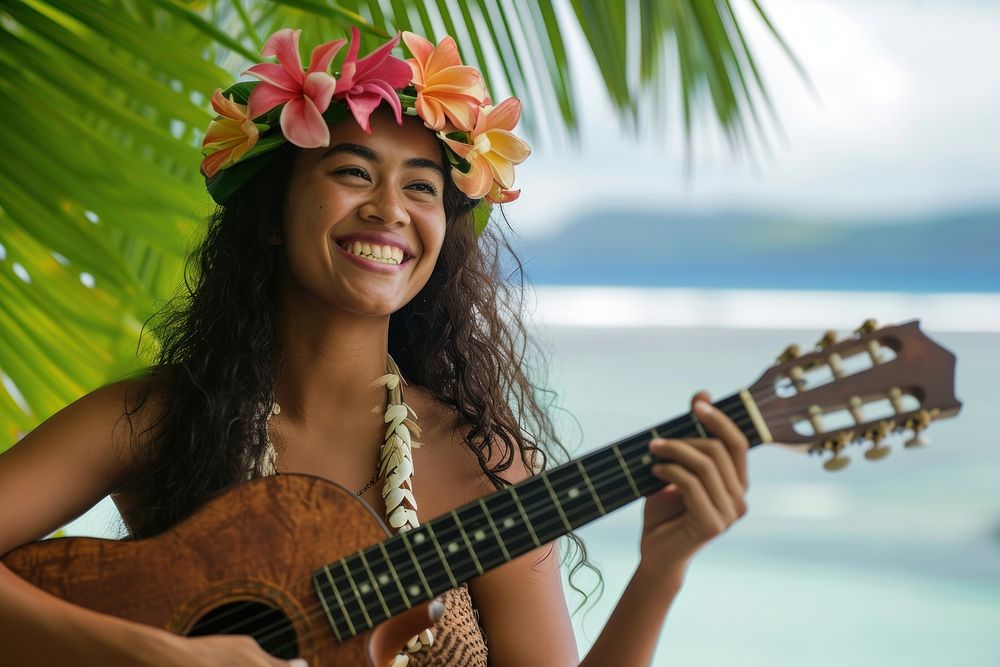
{"x": 943, "y": 253}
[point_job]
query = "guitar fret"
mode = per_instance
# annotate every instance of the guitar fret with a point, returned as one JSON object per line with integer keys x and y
{"x": 375, "y": 586}
{"x": 524, "y": 515}
{"x": 416, "y": 564}
{"x": 444, "y": 560}
{"x": 607, "y": 480}
{"x": 518, "y": 518}
{"x": 510, "y": 525}
{"x": 697, "y": 425}
{"x": 340, "y": 600}
{"x": 429, "y": 558}
{"x": 628, "y": 473}
{"x": 326, "y": 609}
{"x": 468, "y": 543}
{"x": 590, "y": 485}
{"x": 392, "y": 571}
{"x": 496, "y": 532}
{"x": 555, "y": 499}
{"x": 354, "y": 587}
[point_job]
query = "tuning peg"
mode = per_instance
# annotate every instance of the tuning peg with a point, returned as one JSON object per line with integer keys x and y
{"x": 828, "y": 339}
{"x": 917, "y": 424}
{"x": 877, "y": 452}
{"x": 791, "y": 352}
{"x": 876, "y": 434}
{"x": 866, "y": 327}
{"x": 838, "y": 461}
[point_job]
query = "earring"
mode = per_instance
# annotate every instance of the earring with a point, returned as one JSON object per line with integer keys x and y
{"x": 274, "y": 239}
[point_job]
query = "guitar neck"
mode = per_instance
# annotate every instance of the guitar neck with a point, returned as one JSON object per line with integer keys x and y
{"x": 375, "y": 584}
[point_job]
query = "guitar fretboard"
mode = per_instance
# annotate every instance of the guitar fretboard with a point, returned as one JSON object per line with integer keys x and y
{"x": 377, "y": 583}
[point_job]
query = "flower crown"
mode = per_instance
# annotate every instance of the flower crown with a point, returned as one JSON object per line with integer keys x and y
{"x": 294, "y": 105}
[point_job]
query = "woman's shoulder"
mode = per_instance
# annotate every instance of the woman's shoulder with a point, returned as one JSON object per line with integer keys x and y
{"x": 448, "y": 461}
{"x": 69, "y": 462}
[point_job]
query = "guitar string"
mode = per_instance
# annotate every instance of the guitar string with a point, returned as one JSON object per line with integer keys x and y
{"x": 410, "y": 568}
{"x": 454, "y": 533}
{"x": 446, "y": 536}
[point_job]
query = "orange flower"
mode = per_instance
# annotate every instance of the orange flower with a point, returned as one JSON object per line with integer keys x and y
{"x": 229, "y": 136}
{"x": 446, "y": 89}
{"x": 497, "y": 195}
{"x": 493, "y": 152}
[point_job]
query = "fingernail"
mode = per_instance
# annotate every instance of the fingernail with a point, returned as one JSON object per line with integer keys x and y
{"x": 436, "y": 610}
{"x": 702, "y": 407}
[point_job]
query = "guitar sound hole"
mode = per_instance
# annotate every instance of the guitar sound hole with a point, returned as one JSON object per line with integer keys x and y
{"x": 269, "y": 626}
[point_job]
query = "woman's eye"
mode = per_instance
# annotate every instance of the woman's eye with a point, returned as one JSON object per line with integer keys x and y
{"x": 354, "y": 171}
{"x": 426, "y": 187}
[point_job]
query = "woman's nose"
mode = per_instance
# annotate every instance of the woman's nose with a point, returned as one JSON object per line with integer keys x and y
{"x": 384, "y": 206}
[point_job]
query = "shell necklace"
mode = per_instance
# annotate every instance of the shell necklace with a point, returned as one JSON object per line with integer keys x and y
{"x": 395, "y": 464}
{"x": 395, "y": 467}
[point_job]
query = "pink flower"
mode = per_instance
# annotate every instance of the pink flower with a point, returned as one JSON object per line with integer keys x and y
{"x": 493, "y": 152}
{"x": 305, "y": 95}
{"x": 445, "y": 87}
{"x": 366, "y": 82}
{"x": 229, "y": 136}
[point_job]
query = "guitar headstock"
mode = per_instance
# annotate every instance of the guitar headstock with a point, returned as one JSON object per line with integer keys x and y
{"x": 859, "y": 390}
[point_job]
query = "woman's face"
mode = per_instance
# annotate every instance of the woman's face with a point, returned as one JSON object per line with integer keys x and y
{"x": 364, "y": 218}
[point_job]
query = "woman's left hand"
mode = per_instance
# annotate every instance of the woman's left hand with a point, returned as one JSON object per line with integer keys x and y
{"x": 707, "y": 482}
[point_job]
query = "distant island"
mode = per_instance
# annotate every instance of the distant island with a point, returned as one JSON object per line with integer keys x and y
{"x": 957, "y": 252}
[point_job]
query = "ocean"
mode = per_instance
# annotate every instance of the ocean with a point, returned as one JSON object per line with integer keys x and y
{"x": 895, "y": 562}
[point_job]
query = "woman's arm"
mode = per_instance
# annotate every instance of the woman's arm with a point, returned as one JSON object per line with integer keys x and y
{"x": 522, "y": 605}
{"x": 59, "y": 470}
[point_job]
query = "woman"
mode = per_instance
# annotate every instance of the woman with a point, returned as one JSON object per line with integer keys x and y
{"x": 346, "y": 254}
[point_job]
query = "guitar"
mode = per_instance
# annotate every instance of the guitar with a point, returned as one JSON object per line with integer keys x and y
{"x": 307, "y": 569}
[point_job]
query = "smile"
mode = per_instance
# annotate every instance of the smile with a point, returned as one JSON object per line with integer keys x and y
{"x": 386, "y": 254}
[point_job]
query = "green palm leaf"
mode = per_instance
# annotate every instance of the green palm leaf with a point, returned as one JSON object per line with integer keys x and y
{"x": 100, "y": 197}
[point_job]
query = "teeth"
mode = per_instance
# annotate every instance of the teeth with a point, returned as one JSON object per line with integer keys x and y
{"x": 383, "y": 254}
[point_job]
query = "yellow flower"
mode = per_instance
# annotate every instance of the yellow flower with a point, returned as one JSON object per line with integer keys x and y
{"x": 492, "y": 153}
{"x": 229, "y": 136}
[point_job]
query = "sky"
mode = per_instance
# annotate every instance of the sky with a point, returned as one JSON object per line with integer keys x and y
{"x": 903, "y": 121}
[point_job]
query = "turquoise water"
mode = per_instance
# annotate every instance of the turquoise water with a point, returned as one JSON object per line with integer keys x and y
{"x": 888, "y": 563}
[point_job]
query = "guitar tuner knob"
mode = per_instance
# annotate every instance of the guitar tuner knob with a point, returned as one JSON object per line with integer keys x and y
{"x": 866, "y": 327}
{"x": 836, "y": 462}
{"x": 836, "y": 445}
{"x": 828, "y": 339}
{"x": 918, "y": 440}
{"x": 877, "y": 452}
{"x": 791, "y": 352}
{"x": 880, "y": 430}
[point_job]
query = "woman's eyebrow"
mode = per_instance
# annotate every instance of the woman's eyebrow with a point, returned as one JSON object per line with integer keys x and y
{"x": 369, "y": 154}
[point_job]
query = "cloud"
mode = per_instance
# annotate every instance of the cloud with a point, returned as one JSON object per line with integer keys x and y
{"x": 905, "y": 122}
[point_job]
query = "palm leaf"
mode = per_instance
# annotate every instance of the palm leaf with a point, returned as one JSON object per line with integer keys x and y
{"x": 100, "y": 197}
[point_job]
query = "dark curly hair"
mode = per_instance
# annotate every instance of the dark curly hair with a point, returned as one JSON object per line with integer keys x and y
{"x": 461, "y": 338}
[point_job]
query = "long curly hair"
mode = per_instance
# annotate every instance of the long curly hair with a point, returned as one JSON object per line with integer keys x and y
{"x": 462, "y": 338}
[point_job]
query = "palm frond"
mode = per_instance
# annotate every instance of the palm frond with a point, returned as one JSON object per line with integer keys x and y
{"x": 100, "y": 197}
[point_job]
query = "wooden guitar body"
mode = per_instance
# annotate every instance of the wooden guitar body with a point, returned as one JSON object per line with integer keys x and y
{"x": 241, "y": 564}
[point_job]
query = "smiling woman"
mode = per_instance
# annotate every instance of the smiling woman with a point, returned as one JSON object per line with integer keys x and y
{"x": 343, "y": 264}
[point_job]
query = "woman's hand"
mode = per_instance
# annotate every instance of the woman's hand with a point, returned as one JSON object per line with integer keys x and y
{"x": 707, "y": 480}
